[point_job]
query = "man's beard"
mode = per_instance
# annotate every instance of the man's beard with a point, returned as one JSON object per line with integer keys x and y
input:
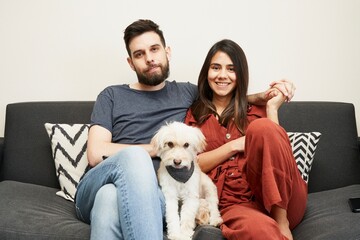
{"x": 154, "y": 79}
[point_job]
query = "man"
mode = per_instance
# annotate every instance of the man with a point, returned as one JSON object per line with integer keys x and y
{"x": 120, "y": 196}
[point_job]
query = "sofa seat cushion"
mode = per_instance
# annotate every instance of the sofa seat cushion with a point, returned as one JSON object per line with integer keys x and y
{"x": 35, "y": 212}
{"x": 207, "y": 232}
{"x": 328, "y": 215}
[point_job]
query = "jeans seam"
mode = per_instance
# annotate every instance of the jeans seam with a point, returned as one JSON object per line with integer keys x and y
{"x": 78, "y": 213}
{"x": 125, "y": 199}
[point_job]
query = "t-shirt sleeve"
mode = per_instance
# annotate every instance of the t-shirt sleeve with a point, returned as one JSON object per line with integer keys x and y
{"x": 102, "y": 111}
{"x": 193, "y": 91}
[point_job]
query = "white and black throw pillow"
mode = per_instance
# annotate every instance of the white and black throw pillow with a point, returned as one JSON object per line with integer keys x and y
{"x": 304, "y": 146}
{"x": 68, "y": 143}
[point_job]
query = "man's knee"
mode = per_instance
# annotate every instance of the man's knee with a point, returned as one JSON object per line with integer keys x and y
{"x": 105, "y": 205}
{"x": 106, "y": 193}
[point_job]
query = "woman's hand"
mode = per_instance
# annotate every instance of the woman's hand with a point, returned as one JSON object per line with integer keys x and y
{"x": 277, "y": 99}
{"x": 283, "y": 86}
{"x": 211, "y": 159}
{"x": 237, "y": 145}
{"x": 273, "y": 105}
{"x": 286, "y": 87}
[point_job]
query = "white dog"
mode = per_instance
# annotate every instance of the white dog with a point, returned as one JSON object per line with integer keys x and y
{"x": 189, "y": 193}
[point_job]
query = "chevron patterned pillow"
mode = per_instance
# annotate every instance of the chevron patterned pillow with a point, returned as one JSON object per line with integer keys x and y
{"x": 304, "y": 146}
{"x": 68, "y": 143}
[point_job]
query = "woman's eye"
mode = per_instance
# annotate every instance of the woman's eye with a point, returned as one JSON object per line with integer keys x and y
{"x": 170, "y": 144}
{"x": 186, "y": 145}
{"x": 215, "y": 67}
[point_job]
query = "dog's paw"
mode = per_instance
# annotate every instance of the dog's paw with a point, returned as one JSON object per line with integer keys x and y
{"x": 188, "y": 234}
{"x": 215, "y": 220}
{"x": 202, "y": 217}
{"x": 173, "y": 236}
{"x": 203, "y": 214}
{"x": 179, "y": 236}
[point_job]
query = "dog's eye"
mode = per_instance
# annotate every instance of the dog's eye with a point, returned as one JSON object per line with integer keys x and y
{"x": 170, "y": 144}
{"x": 186, "y": 145}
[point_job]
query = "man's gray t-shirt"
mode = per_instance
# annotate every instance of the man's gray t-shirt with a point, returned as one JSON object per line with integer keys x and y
{"x": 133, "y": 116}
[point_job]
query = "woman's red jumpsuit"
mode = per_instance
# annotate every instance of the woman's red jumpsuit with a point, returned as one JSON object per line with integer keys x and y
{"x": 250, "y": 183}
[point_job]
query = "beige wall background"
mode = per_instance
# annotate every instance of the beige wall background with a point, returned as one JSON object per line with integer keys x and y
{"x": 72, "y": 49}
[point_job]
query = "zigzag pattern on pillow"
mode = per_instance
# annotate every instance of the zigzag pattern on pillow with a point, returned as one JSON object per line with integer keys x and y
{"x": 68, "y": 143}
{"x": 304, "y": 146}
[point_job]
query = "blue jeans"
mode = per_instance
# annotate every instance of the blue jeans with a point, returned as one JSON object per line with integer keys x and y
{"x": 120, "y": 198}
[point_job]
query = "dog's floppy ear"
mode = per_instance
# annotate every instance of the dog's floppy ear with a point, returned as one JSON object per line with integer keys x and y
{"x": 159, "y": 137}
{"x": 200, "y": 140}
{"x": 155, "y": 142}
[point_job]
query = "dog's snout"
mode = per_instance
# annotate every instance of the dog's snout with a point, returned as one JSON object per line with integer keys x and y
{"x": 177, "y": 162}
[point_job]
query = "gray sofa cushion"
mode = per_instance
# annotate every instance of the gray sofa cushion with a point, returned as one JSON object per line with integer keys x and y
{"x": 27, "y": 150}
{"x": 35, "y": 212}
{"x": 336, "y": 162}
{"x": 328, "y": 216}
{"x": 206, "y": 232}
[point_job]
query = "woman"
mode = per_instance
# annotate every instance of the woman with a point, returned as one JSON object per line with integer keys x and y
{"x": 248, "y": 155}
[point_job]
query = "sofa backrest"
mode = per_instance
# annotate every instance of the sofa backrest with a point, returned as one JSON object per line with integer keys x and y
{"x": 336, "y": 162}
{"x": 27, "y": 150}
{"x": 28, "y": 157}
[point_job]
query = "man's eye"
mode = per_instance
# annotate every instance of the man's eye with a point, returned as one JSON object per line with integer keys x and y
{"x": 138, "y": 55}
{"x": 186, "y": 145}
{"x": 155, "y": 49}
{"x": 170, "y": 144}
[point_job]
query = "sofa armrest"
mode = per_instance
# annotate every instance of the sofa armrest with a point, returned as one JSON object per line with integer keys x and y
{"x": 1, "y": 151}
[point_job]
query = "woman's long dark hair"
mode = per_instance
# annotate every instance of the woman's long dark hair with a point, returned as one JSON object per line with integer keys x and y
{"x": 237, "y": 109}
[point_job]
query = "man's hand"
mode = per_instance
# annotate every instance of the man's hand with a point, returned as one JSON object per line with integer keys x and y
{"x": 285, "y": 87}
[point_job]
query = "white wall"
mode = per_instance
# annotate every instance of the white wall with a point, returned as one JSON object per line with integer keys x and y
{"x": 71, "y": 50}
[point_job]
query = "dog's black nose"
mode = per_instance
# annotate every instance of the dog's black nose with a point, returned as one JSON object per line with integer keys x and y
{"x": 177, "y": 162}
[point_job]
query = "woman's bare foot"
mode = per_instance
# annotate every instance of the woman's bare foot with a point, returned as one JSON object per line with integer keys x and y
{"x": 280, "y": 216}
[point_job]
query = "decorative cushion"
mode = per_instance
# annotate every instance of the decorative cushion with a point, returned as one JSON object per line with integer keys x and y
{"x": 304, "y": 146}
{"x": 68, "y": 143}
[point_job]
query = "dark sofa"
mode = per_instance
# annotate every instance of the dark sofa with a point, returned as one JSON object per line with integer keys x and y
{"x": 29, "y": 208}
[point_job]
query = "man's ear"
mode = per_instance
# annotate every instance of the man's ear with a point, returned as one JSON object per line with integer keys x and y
{"x": 130, "y": 62}
{"x": 168, "y": 53}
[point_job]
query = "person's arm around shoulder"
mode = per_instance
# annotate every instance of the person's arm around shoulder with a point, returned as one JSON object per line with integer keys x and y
{"x": 286, "y": 87}
{"x": 100, "y": 146}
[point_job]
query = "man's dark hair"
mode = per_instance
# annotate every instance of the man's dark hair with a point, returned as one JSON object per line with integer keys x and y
{"x": 139, "y": 27}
